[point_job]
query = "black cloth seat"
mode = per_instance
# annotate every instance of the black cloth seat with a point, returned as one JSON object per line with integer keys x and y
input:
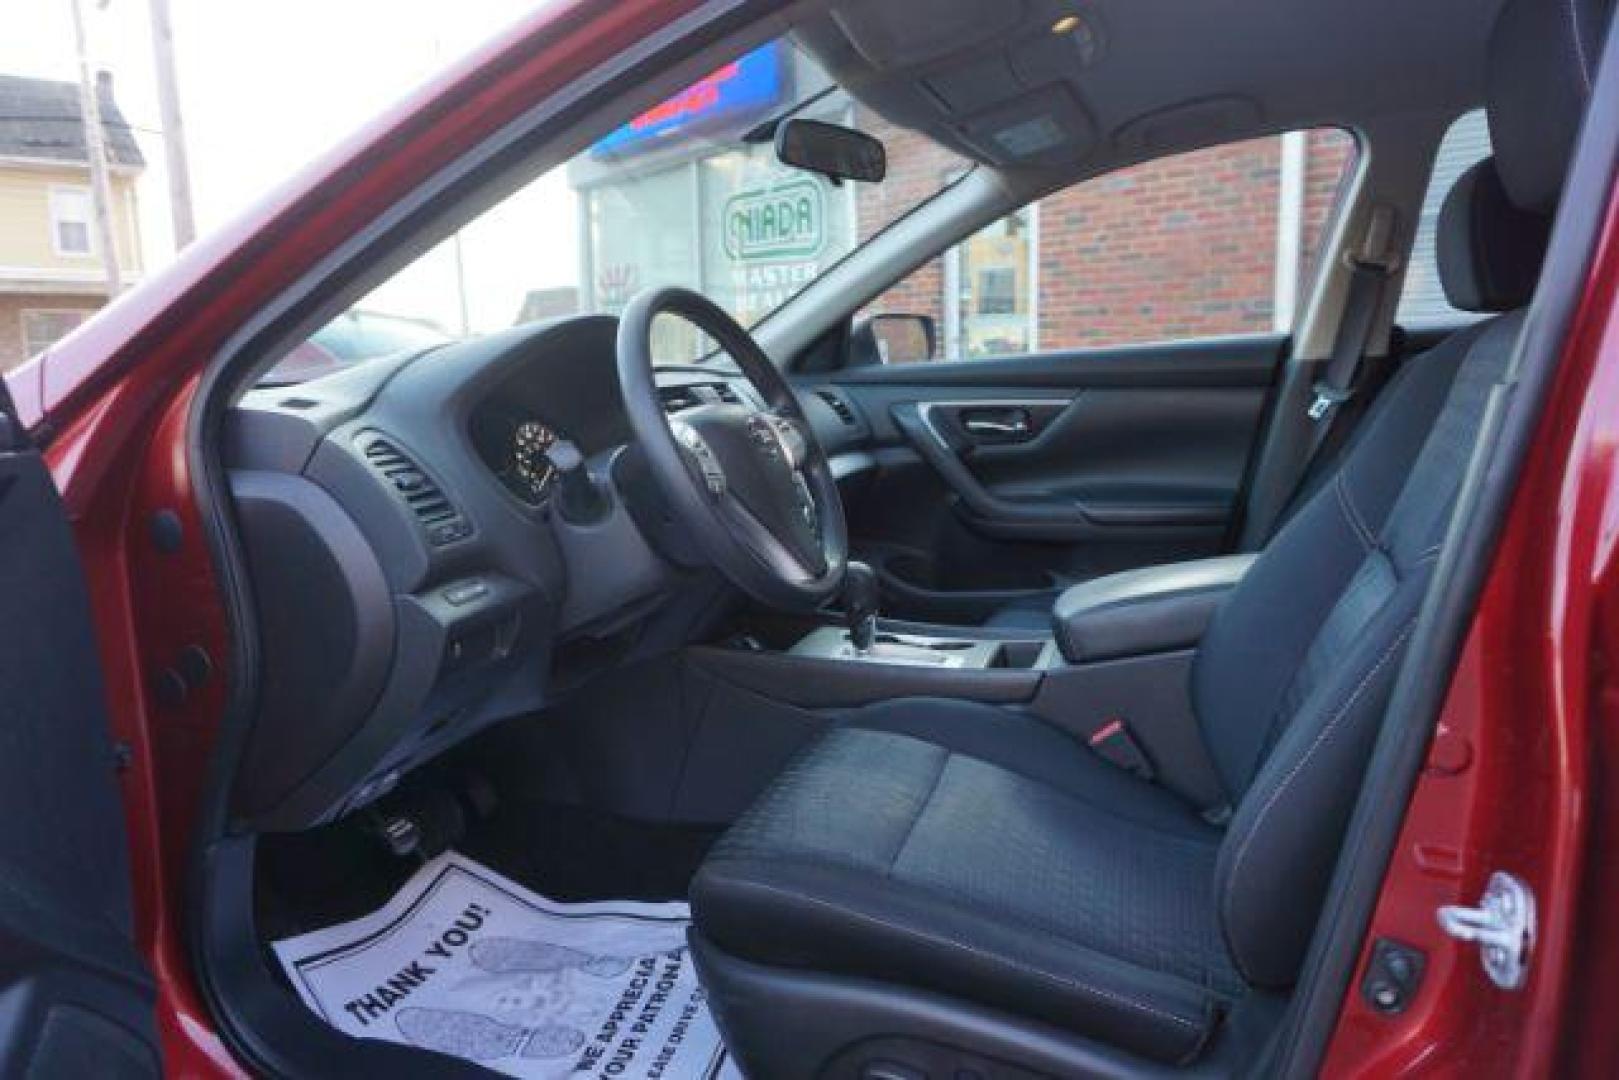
{"x": 976, "y": 852}
{"x": 974, "y": 858}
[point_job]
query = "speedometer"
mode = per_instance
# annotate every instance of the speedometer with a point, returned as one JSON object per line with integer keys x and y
{"x": 529, "y": 472}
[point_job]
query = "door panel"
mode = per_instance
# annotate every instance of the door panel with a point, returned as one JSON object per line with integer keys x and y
{"x": 996, "y": 479}
{"x": 75, "y": 997}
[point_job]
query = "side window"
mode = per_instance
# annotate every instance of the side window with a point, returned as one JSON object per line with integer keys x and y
{"x": 1203, "y": 244}
{"x": 1422, "y": 299}
{"x": 70, "y": 221}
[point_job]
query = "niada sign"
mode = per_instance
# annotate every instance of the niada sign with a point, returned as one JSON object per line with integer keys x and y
{"x": 787, "y": 221}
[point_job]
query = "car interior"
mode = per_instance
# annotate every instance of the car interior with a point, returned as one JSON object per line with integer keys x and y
{"x": 996, "y": 717}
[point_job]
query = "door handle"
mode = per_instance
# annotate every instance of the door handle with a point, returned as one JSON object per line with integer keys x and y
{"x": 1000, "y": 425}
{"x": 1004, "y": 428}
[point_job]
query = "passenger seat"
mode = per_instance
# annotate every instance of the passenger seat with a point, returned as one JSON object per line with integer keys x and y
{"x": 1489, "y": 255}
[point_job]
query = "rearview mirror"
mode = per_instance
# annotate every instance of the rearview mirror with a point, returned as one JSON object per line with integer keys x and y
{"x": 838, "y": 153}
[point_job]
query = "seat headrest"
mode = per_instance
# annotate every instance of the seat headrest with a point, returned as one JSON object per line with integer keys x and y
{"x": 1489, "y": 251}
{"x": 1542, "y": 61}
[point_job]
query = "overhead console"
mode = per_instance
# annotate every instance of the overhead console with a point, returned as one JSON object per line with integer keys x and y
{"x": 1013, "y": 99}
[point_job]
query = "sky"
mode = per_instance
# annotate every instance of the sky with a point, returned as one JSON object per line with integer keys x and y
{"x": 267, "y": 85}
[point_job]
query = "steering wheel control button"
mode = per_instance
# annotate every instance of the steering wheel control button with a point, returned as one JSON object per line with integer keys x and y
{"x": 806, "y": 505}
{"x": 466, "y": 592}
{"x": 701, "y": 453}
{"x": 778, "y": 438}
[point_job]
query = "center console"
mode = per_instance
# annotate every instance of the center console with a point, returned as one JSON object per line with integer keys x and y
{"x": 920, "y": 650}
{"x": 1114, "y": 669}
{"x": 1154, "y": 610}
{"x": 864, "y": 640}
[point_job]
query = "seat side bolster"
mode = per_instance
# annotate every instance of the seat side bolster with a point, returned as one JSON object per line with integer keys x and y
{"x": 846, "y": 921}
{"x": 1276, "y": 860}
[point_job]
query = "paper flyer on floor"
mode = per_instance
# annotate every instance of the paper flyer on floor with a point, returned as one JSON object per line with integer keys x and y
{"x": 469, "y": 963}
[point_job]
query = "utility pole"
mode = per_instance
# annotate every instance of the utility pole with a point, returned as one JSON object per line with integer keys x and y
{"x": 95, "y": 146}
{"x": 174, "y": 138}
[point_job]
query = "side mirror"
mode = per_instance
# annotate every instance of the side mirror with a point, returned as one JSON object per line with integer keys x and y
{"x": 836, "y": 152}
{"x": 892, "y": 339}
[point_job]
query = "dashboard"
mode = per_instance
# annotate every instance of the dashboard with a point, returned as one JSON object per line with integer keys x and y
{"x": 415, "y": 571}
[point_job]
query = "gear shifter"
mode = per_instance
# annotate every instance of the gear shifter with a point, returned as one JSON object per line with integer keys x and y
{"x": 860, "y": 605}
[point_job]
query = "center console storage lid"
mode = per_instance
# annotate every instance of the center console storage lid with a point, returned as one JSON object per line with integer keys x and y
{"x": 1151, "y": 610}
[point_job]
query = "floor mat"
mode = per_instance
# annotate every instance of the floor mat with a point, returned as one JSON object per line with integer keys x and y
{"x": 467, "y": 962}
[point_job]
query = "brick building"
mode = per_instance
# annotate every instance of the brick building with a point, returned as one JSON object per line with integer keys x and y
{"x": 51, "y": 276}
{"x": 1186, "y": 246}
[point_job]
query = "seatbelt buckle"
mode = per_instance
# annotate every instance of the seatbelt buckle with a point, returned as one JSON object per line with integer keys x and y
{"x": 1114, "y": 744}
{"x": 1327, "y": 398}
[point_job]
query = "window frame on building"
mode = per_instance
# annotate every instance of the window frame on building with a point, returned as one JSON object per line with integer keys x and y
{"x": 30, "y": 348}
{"x": 952, "y": 278}
{"x": 56, "y": 197}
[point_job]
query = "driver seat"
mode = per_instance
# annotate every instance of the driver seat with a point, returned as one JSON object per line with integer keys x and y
{"x": 936, "y": 885}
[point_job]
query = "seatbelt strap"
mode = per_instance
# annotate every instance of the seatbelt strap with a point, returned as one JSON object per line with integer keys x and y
{"x": 1370, "y": 268}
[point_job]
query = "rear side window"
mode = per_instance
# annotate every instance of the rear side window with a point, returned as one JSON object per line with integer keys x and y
{"x": 1422, "y": 301}
{"x": 1204, "y": 244}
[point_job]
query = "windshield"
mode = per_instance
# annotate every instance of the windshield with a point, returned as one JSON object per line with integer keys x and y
{"x": 674, "y": 196}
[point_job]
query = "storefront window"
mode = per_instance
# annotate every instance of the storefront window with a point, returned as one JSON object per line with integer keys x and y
{"x": 675, "y": 196}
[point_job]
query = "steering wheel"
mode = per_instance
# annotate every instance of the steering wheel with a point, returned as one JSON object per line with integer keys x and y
{"x": 751, "y": 485}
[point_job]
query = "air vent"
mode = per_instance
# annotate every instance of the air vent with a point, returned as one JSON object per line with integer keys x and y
{"x": 677, "y": 398}
{"x": 837, "y": 405}
{"x": 439, "y": 518}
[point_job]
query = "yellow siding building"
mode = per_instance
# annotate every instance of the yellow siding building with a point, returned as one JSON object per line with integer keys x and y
{"x": 51, "y": 273}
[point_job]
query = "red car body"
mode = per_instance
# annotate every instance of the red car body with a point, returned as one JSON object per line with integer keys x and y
{"x": 1521, "y": 773}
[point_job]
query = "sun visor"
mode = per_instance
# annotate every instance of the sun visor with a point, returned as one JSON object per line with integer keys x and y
{"x": 1210, "y": 120}
{"x": 891, "y": 34}
{"x": 966, "y": 88}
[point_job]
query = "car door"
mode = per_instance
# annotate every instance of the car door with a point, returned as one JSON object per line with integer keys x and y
{"x": 76, "y": 998}
{"x": 1095, "y": 380}
{"x": 996, "y": 482}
